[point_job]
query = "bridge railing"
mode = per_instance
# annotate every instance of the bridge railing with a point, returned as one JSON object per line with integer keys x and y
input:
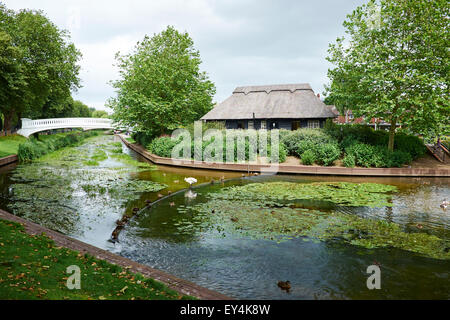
{"x": 75, "y": 122}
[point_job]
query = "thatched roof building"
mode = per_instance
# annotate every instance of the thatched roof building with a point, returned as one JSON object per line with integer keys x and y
{"x": 288, "y": 106}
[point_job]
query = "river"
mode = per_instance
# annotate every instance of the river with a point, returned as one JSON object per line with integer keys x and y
{"x": 82, "y": 191}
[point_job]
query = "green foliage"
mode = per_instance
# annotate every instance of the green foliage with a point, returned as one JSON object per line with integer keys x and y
{"x": 300, "y": 140}
{"x": 162, "y": 146}
{"x": 410, "y": 144}
{"x": 142, "y": 138}
{"x": 308, "y": 157}
{"x": 99, "y": 114}
{"x": 377, "y": 156}
{"x": 396, "y": 67}
{"x": 161, "y": 86}
{"x": 33, "y": 148}
{"x": 327, "y": 153}
{"x": 38, "y": 64}
{"x": 349, "y": 160}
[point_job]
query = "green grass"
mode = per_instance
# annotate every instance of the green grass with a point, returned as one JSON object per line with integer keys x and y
{"x": 10, "y": 144}
{"x": 130, "y": 140}
{"x": 33, "y": 267}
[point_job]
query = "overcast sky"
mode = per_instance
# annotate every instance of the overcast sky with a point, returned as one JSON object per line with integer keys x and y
{"x": 241, "y": 42}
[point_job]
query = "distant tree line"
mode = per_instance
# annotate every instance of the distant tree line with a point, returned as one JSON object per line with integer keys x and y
{"x": 38, "y": 69}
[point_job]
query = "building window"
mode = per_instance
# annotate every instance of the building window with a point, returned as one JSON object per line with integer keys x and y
{"x": 251, "y": 125}
{"x": 263, "y": 124}
{"x": 295, "y": 125}
{"x": 313, "y": 124}
{"x": 240, "y": 125}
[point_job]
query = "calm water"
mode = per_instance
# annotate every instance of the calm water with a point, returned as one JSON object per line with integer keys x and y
{"x": 248, "y": 268}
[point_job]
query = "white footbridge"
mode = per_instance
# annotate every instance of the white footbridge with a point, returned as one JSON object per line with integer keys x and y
{"x": 30, "y": 127}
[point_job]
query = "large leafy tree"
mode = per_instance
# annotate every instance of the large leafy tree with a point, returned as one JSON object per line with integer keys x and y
{"x": 394, "y": 64}
{"x": 161, "y": 85}
{"x": 38, "y": 64}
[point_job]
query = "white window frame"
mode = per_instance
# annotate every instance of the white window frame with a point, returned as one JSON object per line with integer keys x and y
{"x": 263, "y": 124}
{"x": 313, "y": 124}
{"x": 251, "y": 124}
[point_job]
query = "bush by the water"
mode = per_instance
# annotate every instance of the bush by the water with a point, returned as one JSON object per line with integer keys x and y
{"x": 35, "y": 148}
{"x": 377, "y": 156}
{"x": 359, "y": 145}
{"x": 350, "y": 134}
{"x": 163, "y": 146}
{"x": 349, "y": 160}
{"x": 327, "y": 153}
{"x": 308, "y": 157}
{"x": 298, "y": 141}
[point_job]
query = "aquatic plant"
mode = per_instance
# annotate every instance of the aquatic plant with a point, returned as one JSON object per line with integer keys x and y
{"x": 48, "y": 190}
{"x": 262, "y": 211}
{"x": 338, "y": 193}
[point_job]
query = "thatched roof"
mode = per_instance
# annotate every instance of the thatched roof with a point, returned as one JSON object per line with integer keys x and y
{"x": 288, "y": 101}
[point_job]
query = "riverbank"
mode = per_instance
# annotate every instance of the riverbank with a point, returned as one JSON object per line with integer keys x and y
{"x": 34, "y": 261}
{"x": 289, "y": 168}
{"x": 9, "y": 145}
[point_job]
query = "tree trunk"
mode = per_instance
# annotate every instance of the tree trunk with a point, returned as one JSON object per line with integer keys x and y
{"x": 8, "y": 116}
{"x": 392, "y": 134}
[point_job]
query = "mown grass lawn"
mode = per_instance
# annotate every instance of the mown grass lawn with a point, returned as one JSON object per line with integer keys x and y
{"x": 33, "y": 267}
{"x": 10, "y": 144}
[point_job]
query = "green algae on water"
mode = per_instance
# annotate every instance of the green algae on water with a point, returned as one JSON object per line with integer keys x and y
{"x": 48, "y": 190}
{"x": 338, "y": 193}
{"x": 266, "y": 211}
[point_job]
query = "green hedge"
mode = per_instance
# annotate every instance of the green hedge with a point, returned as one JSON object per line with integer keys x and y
{"x": 163, "y": 146}
{"x": 34, "y": 148}
{"x": 359, "y": 145}
{"x": 300, "y": 140}
{"x": 377, "y": 156}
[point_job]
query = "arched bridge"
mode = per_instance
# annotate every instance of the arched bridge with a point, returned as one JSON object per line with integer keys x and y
{"x": 32, "y": 126}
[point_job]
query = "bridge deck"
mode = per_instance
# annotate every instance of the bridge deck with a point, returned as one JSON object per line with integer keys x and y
{"x": 30, "y": 126}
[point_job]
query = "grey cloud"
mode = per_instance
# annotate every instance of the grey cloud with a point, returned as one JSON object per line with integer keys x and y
{"x": 241, "y": 42}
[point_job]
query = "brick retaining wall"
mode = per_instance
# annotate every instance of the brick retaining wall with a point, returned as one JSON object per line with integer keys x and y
{"x": 291, "y": 169}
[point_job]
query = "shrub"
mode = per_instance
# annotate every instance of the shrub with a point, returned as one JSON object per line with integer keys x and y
{"x": 398, "y": 158}
{"x": 377, "y": 156}
{"x": 410, "y": 144}
{"x": 162, "y": 146}
{"x": 304, "y": 146}
{"x": 327, "y": 153}
{"x": 295, "y": 140}
{"x": 349, "y": 160}
{"x": 142, "y": 138}
{"x": 308, "y": 157}
{"x": 365, "y": 155}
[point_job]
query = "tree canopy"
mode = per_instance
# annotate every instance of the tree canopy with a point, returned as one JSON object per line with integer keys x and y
{"x": 394, "y": 65}
{"x": 38, "y": 64}
{"x": 161, "y": 86}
